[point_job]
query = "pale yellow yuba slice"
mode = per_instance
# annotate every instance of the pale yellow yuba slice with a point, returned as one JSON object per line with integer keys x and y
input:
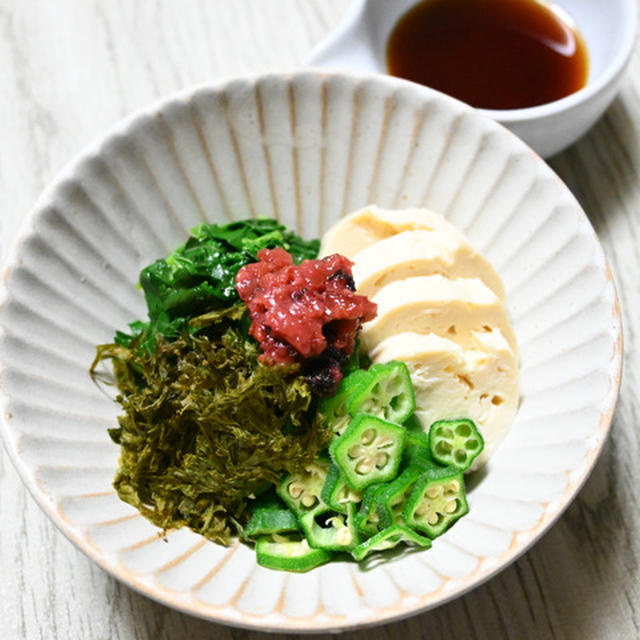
{"x": 479, "y": 382}
{"x": 434, "y": 304}
{"x": 362, "y": 228}
{"x": 421, "y": 253}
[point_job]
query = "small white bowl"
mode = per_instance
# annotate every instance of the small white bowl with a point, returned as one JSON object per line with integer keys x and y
{"x": 305, "y": 148}
{"x": 608, "y": 28}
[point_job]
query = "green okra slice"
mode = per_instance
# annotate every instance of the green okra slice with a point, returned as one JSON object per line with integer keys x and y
{"x": 334, "y": 408}
{"x": 301, "y": 490}
{"x": 367, "y": 519}
{"x": 369, "y": 451}
{"x": 391, "y": 500}
{"x": 455, "y": 443}
{"x": 269, "y": 514}
{"x": 289, "y": 553}
{"x": 328, "y": 529}
{"x": 416, "y": 451}
{"x": 336, "y": 492}
{"x": 387, "y": 393}
{"x": 270, "y": 520}
{"x": 436, "y": 501}
{"x": 389, "y": 538}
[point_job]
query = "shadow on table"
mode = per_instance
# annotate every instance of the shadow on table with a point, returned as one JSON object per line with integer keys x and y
{"x": 576, "y": 581}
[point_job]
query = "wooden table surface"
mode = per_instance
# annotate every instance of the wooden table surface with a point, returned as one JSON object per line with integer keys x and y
{"x": 69, "y": 69}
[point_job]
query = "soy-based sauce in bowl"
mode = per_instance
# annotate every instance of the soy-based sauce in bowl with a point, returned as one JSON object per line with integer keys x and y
{"x": 492, "y": 54}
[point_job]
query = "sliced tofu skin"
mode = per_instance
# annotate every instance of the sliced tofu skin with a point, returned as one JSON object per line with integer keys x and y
{"x": 421, "y": 253}
{"x": 364, "y": 227}
{"x": 434, "y": 304}
{"x": 479, "y": 382}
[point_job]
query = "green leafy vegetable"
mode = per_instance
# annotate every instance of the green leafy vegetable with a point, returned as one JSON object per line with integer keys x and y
{"x": 205, "y": 425}
{"x": 200, "y": 275}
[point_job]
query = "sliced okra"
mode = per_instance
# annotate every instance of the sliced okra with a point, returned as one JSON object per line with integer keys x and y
{"x": 389, "y": 538}
{"x": 268, "y": 520}
{"x": 367, "y": 519}
{"x": 387, "y": 393}
{"x": 391, "y": 500}
{"x": 436, "y": 502}
{"x": 331, "y": 530}
{"x": 301, "y": 490}
{"x": 416, "y": 451}
{"x": 455, "y": 443}
{"x": 289, "y": 553}
{"x": 336, "y": 492}
{"x": 334, "y": 408}
{"x": 368, "y": 451}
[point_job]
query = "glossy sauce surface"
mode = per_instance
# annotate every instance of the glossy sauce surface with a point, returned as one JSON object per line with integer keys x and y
{"x": 492, "y": 54}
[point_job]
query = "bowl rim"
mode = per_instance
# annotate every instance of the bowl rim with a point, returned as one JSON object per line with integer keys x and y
{"x": 244, "y": 620}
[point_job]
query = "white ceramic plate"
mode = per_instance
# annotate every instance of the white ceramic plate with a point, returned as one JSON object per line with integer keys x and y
{"x": 305, "y": 148}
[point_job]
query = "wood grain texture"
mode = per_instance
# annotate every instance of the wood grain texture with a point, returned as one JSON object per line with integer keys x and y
{"x": 69, "y": 69}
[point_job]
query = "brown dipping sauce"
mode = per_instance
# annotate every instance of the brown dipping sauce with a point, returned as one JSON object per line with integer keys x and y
{"x": 492, "y": 54}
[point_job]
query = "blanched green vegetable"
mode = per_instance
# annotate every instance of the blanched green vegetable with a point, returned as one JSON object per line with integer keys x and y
{"x": 334, "y": 408}
{"x": 268, "y": 520}
{"x": 327, "y": 529}
{"x": 455, "y": 442}
{"x": 368, "y": 451}
{"x": 391, "y": 500}
{"x": 367, "y": 519}
{"x": 416, "y": 451}
{"x": 388, "y": 539}
{"x": 289, "y": 553}
{"x": 199, "y": 276}
{"x": 205, "y": 425}
{"x": 436, "y": 501}
{"x": 336, "y": 491}
{"x": 301, "y": 490}
{"x": 387, "y": 393}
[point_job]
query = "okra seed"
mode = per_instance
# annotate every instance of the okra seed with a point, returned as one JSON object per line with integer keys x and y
{"x": 368, "y": 436}
{"x": 364, "y": 466}
{"x": 451, "y": 506}
{"x": 295, "y": 490}
{"x": 381, "y": 460}
{"x": 471, "y": 445}
{"x": 453, "y": 486}
{"x": 356, "y": 451}
{"x": 341, "y": 424}
{"x": 443, "y": 447}
{"x": 432, "y": 518}
{"x": 463, "y": 430}
{"x": 383, "y": 443}
{"x": 423, "y": 507}
{"x": 370, "y": 407}
{"x": 461, "y": 456}
{"x": 308, "y": 500}
{"x": 447, "y": 433}
{"x": 343, "y": 536}
{"x": 434, "y": 492}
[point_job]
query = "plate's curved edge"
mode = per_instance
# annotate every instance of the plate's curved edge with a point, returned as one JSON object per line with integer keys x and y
{"x": 396, "y": 612}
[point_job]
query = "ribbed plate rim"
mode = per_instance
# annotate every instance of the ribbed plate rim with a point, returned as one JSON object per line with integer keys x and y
{"x": 128, "y": 124}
